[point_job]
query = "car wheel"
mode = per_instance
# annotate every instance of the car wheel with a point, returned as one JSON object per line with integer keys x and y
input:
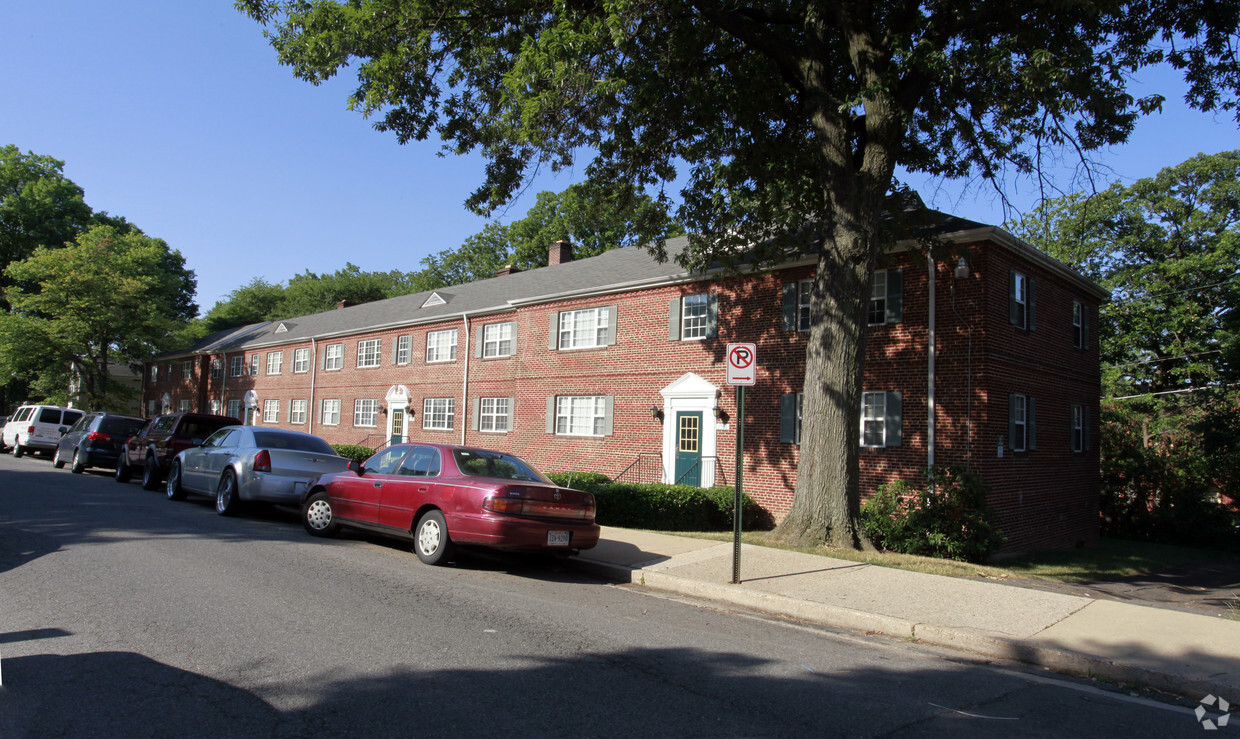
{"x": 317, "y": 515}
{"x": 173, "y": 488}
{"x": 57, "y": 462}
{"x": 123, "y": 472}
{"x": 78, "y": 465}
{"x": 430, "y": 539}
{"x": 150, "y": 474}
{"x": 18, "y": 451}
{"x": 227, "y": 499}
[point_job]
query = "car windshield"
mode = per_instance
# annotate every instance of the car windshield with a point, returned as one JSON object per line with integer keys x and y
{"x": 296, "y": 442}
{"x": 478, "y": 463}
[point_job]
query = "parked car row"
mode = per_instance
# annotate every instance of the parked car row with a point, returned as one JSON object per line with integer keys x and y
{"x": 437, "y": 496}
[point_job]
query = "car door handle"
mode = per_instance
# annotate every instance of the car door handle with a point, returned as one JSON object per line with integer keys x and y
{"x": 378, "y": 484}
{"x": 423, "y": 489}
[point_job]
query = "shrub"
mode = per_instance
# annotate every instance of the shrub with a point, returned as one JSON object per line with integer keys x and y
{"x": 579, "y": 480}
{"x": 947, "y": 518}
{"x": 356, "y": 452}
{"x": 666, "y": 507}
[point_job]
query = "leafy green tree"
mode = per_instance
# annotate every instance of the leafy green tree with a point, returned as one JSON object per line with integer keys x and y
{"x": 254, "y": 302}
{"x": 39, "y": 206}
{"x": 310, "y": 293}
{"x": 108, "y": 298}
{"x": 1168, "y": 248}
{"x": 782, "y": 117}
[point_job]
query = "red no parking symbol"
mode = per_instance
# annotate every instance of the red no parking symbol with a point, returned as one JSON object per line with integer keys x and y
{"x": 742, "y": 364}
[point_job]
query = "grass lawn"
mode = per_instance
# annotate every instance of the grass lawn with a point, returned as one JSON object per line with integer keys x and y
{"x": 1111, "y": 560}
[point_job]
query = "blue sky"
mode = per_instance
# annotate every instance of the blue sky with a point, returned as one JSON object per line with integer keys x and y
{"x": 176, "y": 116}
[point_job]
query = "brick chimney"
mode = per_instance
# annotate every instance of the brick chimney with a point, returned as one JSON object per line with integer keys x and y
{"x": 559, "y": 253}
{"x": 345, "y": 304}
{"x": 507, "y": 269}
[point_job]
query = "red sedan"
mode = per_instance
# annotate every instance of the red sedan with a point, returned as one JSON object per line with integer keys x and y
{"x": 440, "y": 495}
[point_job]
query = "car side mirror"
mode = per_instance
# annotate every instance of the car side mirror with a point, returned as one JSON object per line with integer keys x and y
{"x": 196, "y": 442}
{"x": 63, "y": 430}
{"x": 357, "y": 467}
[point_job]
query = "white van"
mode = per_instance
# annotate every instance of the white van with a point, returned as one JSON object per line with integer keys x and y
{"x": 36, "y": 428}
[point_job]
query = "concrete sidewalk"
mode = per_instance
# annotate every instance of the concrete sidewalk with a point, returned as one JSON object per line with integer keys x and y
{"x": 1169, "y": 650}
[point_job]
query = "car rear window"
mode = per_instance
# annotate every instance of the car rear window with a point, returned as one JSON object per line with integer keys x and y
{"x": 120, "y": 426}
{"x": 51, "y": 415}
{"x": 269, "y": 440}
{"x": 71, "y": 417}
{"x": 495, "y": 464}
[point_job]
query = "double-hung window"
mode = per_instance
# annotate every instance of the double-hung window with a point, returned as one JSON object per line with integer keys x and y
{"x": 333, "y": 357}
{"x": 403, "y": 350}
{"x": 1022, "y": 429}
{"x": 492, "y": 414}
{"x": 154, "y": 376}
{"x": 301, "y": 360}
{"x": 790, "y": 417}
{"x": 1080, "y": 325}
{"x": 583, "y": 329}
{"x": 253, "y": 364}
{"x": 217, "y": 368}
{"x": 187, "y": 370}
{"x": 368, "y": 353}
{"x": 498, "y": 340}
{"x": 1079, "y": 427}
{"x": 185, "y": 406}
{"x": 441, "y": 346}
{"x": 238, "y": 367}
{"x": 886, "y": 297}
{"x": 693, "y": 317}
{"x": 366, "y": 412}
{"x": 580, "y": 415}
{"x": 796, "y": 303}
{"x": 438, "y": 413}
{"x": 275, "y": 362}
{"x": 271, "y": 411}
{"x": 234, "y": 408}
{"x": 297, "y": 411}
{"x": 329, "y": 412}
{"x": 881, "y": 419}
{"x": 1021, "y": 300}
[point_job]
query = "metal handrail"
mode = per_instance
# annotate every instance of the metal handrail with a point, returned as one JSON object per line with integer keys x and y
{"x": 642, "y": 456}
{"x": 369, "y": 441}
{"x": 720, "y": 477}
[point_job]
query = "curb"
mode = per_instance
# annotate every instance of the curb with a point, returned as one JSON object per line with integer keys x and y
{"x": 1024, "y": 651}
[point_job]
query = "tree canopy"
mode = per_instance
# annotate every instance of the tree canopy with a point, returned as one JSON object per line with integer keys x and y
{"x": 112, "y": 297}
{"x": 773, "y": 116}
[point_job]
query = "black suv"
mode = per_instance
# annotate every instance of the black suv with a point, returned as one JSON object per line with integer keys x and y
{"x": 94, "y": 441}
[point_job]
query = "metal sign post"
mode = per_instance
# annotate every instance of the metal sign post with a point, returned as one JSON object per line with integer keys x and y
{"x": 742, "y": 368}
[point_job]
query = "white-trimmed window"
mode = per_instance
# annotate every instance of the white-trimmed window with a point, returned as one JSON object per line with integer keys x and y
{"x": 438, "y": 413}
{"x": 585, "y": 328}
{"x": 275, "y": 363}
{"x": 215, "y": 407}
{"x": 297, "y": 411}
{"x": 582, "y": 415}
{"x": 1080, "y": 427}
{"x": 253, "y": 364}
{"x": 790, "y": 417}
{"x": 234, "y": 408}
{"x": 238, "y": 367}
{"x": 796, "y": 305}
{"x": 271, "y": 411}
{"x": 185, "y": 406}
{"x": 217, "y": 368}
{"x": 1022, "y": 429}
{"x": 366, "y": 412}
{"x": 882, "y": 418}
{"x": 404, "y": 350}
{"x": 187, "y": 370}
{"x": 441, "y": 346}
{"x": 886, "y": 297}
{"x": 1021, "y": 300}
{"x": 301, "y": 360}
{"x": 693, "y": 317}
{"x": 368, "y": 352}
{"x": 333, "y": 357}
{"x": 492, "y": 414}
{"x": 499, "y": 340}
{"x": 154, "y": 375}
{"x": 329, "y": 412}
{"x": 1080, "y": 325}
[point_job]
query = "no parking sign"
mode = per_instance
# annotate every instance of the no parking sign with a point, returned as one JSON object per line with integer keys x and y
{"x": 742, "y": 364}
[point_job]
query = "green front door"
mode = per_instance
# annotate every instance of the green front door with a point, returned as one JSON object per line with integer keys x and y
{"x": 688, "y": 448}
{"x": 398, "y": 426}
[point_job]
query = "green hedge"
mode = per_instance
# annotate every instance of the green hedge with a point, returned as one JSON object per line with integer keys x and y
{"x": 665, "y": 507}
{"x": 356, "y": 452}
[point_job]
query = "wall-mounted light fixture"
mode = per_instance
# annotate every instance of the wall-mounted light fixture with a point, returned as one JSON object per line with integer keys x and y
{"x": 962, "y": 269}
{"x": 720, "y": 414}
{"x": 656, "y": 412}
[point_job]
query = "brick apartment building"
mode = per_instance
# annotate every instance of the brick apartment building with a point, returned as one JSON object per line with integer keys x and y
{"x": 615, "y": 364}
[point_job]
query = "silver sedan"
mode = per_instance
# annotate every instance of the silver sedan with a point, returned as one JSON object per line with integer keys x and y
{"x": 240, "y": 464}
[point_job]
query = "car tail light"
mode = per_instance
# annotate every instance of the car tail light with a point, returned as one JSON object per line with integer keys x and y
{"x": 99, "y": 436}
{"x": 262, "y": 461}
{"x": 30, "y": 430}
{"x": 582, "y": 509}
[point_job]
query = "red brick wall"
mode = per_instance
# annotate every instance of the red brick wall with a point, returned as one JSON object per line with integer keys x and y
{"x": 1044, "y": 498}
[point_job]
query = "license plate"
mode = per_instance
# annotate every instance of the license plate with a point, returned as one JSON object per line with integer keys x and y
{"x": 558, "y": 538}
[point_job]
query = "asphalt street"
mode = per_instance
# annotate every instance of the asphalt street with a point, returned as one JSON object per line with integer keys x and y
{"x": 125, "y": 614}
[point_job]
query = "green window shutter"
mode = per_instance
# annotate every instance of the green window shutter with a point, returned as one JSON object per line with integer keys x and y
{"x": 514, "y": 338}
{"x": 512, "y": 414}
{"x": 609, "y": 404}
{"x": 1012, "y": 315}
{"x": 611, "y": 325}
{"x": 1011, "y": 421}
{"x": 473, "y": 420}
{"x": 1085, "y": 427}
{"x": 482, "y": 330}
{"x": 673, "y": 320}
{"x": 895, "y": 295}
{"x": 553, "y": 340}
{"x": 790, "y": 306}
{"x": 551, "y": 414}
{"x": 788, "y": 418}
{"x": 1031, "y": 424}
{"x": 712, "y": 316}
{"x": 894, "y": 419}
{"x": 1084, "y": 326}
{"x": 395, "y": 344}
{"x": 1032, "y": 300}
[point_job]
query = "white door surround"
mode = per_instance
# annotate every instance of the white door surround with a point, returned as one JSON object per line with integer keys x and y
{"x": 398, "y": 397}
{"x": 687, "y": 394}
